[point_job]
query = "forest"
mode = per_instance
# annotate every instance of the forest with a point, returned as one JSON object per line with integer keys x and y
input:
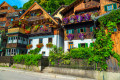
{"x": 49, "y": 5}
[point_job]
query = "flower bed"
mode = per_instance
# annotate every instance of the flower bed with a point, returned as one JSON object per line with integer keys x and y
{"x": 40, "y": 45}
{"x": 49, "y": 45}
{"x": 29, "y": 46}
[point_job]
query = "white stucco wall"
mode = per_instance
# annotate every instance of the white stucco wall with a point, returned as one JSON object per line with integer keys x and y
{"x": 76, "y": 42}
{"x": 56, "y": 40}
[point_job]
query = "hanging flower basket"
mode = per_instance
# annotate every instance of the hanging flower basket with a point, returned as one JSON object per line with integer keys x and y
{"x": 65, "y": 20}
{"x": 29, "y": 46}
{"x": 70, "y": 36}
{"x": 40, "y": 45}
{"x": 81, "y": 36}
{"x": 87, "y": 17}
{"x": 79, "y": 18}
{"x": 49, "y": 45}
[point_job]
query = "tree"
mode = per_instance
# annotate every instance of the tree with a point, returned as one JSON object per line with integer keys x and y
{"x": 15, "y": 7}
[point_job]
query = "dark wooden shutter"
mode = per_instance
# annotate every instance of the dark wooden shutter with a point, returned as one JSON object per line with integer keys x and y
{"x": 84, "y": 29}
{"x": 72, "y": 31}
{"x": 66, "y": 31}
{"x": 78, "y": 30}
{"x": 91, "y": 44}
{"x": 115, "y": 6}
{"x": 105, "y": 7}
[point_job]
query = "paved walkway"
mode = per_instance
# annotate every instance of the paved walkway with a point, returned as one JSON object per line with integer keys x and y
{"x": 7, "y": 73}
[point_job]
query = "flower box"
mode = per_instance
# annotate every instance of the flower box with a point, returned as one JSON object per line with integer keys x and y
{"x": 40, "y": 45}
{"x": 70, "y": 36}
{"x": 81, "y": 36}
{"x": 38, "y": 14}
{"x": 49, "y": 45}
{"x": 29, "y": 46}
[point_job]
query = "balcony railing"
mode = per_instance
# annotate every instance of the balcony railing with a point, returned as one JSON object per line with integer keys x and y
{"x": 16, "y": 30}
{"x": 33, "y": 18}
{"x": 4, "y": 11}
{"x": 80, "y": 18}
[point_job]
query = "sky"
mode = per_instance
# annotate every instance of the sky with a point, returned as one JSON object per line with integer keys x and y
{"x": 19, "y": 3}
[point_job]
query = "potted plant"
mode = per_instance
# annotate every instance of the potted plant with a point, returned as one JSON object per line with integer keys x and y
{"x": 38, "y": 14}
{"x": 27, "y": 17}
{"x": 27, "y": 31}
{"x": 40, "y": 45}
{"x": 29, "y": 46}
{"x": 49, "y": 45}
{"x": 79, "y": 18}
{"x": 36, "y": 27}
{"x": 70, "y": 36}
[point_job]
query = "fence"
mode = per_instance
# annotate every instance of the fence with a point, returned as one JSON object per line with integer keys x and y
{"x": 83, "y": 64}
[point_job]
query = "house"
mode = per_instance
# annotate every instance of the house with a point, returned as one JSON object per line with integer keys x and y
{"x": 79, "y": 22}
{"x": 7, "y": 15}
{"x": 35, "y": 29}
{"x": 57, "y": 12}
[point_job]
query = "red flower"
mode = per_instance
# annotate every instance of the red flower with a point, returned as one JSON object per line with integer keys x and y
{"x": 101, "y": 39}
{"x": 40, "y": 45}
{"x": 93, "y": 41}
{"x": 96, "y": 28}
{"x": 109, "y": 30}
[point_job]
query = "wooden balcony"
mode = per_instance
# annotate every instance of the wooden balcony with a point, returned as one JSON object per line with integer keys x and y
{"x": 3, "y": 19}
{"x": 16, "y": 30}
{"x": 41, "y": 32}
{"x": 34, "y": 18}
{"x": 15, "y": 45}
{"x": 87, "y": 35}
{"x": 3, "y": 11}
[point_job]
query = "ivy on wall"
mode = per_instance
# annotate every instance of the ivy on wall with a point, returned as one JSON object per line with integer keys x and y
{"x": 103, "y": 45}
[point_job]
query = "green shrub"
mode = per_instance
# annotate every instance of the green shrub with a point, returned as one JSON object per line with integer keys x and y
{"x": 35, "y": 51}
{"x": 28, "y": 59}
{"x": 81, "y": 53}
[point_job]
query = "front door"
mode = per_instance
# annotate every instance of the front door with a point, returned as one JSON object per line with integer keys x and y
{"x": 70, "y": 45}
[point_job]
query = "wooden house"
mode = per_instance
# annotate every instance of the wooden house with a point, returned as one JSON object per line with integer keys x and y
{"x": 38, "y": 28}
{"x": 7, "y": 15}
{"x": 79, "y": 23}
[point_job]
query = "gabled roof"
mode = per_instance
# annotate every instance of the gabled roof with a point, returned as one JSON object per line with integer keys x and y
{"x": 42, "y": 10}
{"x": 63, "y": 6}
{"x": 71, "y": 6}
{"x": 7, "y": 3}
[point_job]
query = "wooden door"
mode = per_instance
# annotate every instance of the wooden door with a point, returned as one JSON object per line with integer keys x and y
{"x": 70, "y": 45}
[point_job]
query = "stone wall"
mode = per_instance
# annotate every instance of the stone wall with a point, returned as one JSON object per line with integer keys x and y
{"x": 98, "y": 75}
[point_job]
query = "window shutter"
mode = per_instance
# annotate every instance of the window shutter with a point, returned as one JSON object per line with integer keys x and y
{"x": 72, "y": 31}
{"x": 79, "y": 45}
{"x": 91, "y": 29}
{"x": 84, "y": 29}
{"x": 91, "y": 44}
{"x": 66, "y": 31}
{"x": 78, "y": 30}
{"x": 86, "y": 44}
{"x": 115, "y": 6}
{"x": 105, "y": 7}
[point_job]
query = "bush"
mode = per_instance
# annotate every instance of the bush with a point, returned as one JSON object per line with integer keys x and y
{"x": 35, "y": 51}
{"x": 28, "y": 59}
{"x": 81, "y": 53}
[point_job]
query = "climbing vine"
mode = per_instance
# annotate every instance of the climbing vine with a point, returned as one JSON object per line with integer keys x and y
{"x": 103, "y": 45}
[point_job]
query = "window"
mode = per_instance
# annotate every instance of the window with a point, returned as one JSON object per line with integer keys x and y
{"x": 30, "y": 41}
{"x": 49, "y": 40}
{"x": 13, "y": 51}
{"x": 91, "y": 29}
{"x": 43, "y": 53}
{"x": 71, "y": 31}
{"x": 82, "y": 45}
{"x": 110, "y": 7}
{"x": 80, "y": 30}
{"x": 40, "y": 40}
{"x": 8, "y": 8}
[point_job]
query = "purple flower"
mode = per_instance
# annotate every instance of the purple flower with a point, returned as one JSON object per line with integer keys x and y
{"x": 70, "y": 36}
{"x": 79, "y": 18}
{"x": 87, "y": 17}
{"x": 58, "y": 60}
{"x": 65, "y": 20}
{"x": 58, "y": 63}
{"x": 81, "y": 36}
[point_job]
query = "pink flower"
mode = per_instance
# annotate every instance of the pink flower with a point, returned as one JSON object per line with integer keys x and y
{"x": 58, "y": 63}
{"x": 109, "y": 31}
{"x": 96, "y": 28}
{"x": 41, "y": 28}
{"x": 93, "y": 41}
{"x": 101, "y": 39}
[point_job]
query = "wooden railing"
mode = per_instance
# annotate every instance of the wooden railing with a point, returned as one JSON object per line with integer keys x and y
{"x": 4, "y": 10}
{"x": 33, "y": 18}
{"x": 14, "y": 30}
